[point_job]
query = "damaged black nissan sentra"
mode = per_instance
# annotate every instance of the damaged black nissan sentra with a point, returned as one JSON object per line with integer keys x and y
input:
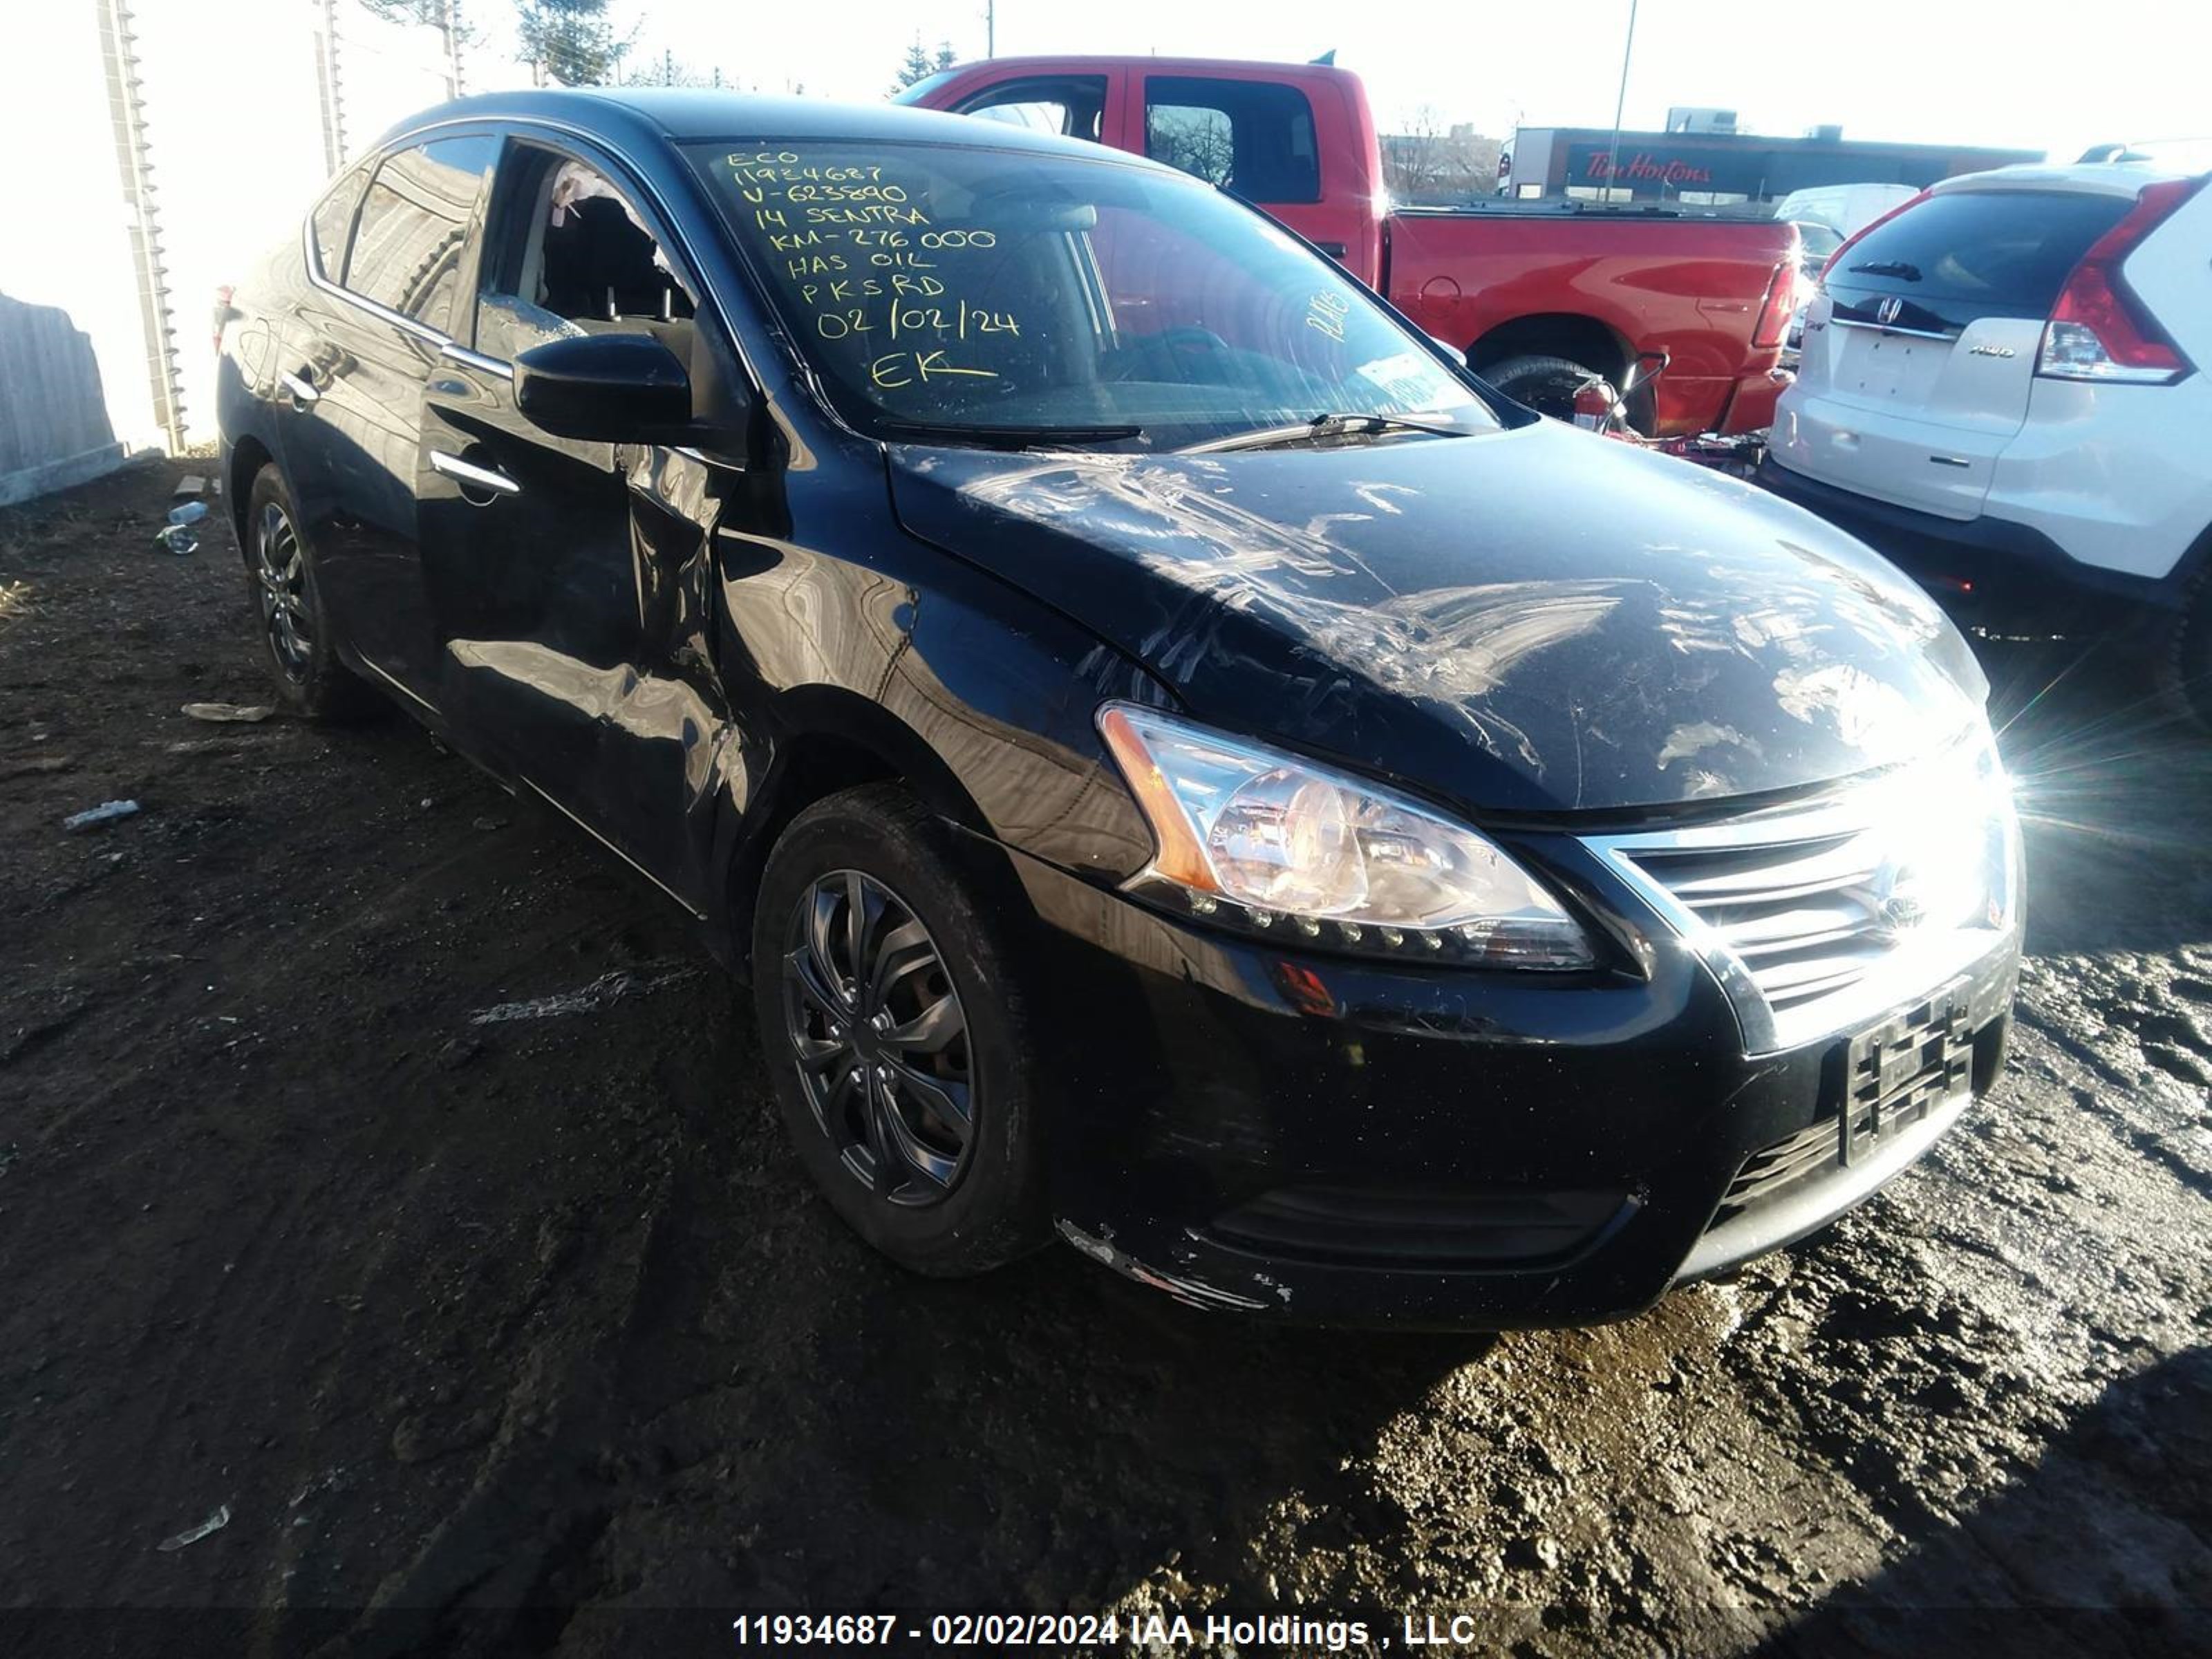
{"x": 1180, "y": 764}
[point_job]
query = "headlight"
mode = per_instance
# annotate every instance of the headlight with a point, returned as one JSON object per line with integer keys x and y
{"x": 1952, "y": 843}
{"x": 1270, "y": 842}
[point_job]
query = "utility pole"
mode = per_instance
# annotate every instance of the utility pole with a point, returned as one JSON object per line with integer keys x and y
{"x": 449, "y": 14}
{"x": 126, "y": 111}
{"x": 1612, "y": 152}
{"x": 328, "y": 88}
{"x": 990, "y": 28}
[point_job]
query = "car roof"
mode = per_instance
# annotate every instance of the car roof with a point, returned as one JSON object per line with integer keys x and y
{"x": 683, "y": 114}
{"x": 2081, "y": 178}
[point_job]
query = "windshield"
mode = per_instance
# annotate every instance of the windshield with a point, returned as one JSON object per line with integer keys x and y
{"x": 969, "y": 293}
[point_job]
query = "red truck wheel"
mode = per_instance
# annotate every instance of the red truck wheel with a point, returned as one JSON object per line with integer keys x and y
{"x": 1546, "y": 384}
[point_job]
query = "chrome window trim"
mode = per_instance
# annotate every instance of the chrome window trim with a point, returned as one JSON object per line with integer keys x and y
{"x": 454, "y": 352}
{"x": 384, "y": 313}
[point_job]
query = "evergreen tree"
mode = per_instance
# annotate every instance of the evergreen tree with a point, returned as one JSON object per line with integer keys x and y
{"x": 917, "y": 67}
{"x": 570, "y": 41}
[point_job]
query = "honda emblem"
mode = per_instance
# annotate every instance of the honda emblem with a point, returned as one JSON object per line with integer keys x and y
{"x": 1886, "y": 313}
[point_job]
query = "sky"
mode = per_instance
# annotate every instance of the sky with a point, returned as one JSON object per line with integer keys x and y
{"x": 2026, "y": 74}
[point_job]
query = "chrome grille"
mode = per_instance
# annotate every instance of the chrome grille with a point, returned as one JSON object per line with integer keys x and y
{"x": 1803, "y": 918}
{"x": 1800, "y": 913}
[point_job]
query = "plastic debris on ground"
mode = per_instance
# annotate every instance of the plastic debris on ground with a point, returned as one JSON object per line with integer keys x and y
{"x": 229, "y": 713}
{"x": 106, "y": 812}
{"x": 215, "y": 1522}
{"x": 178, "y": 535}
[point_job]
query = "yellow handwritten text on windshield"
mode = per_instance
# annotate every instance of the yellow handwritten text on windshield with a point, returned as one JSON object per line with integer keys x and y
{"x": 855, "y": 245}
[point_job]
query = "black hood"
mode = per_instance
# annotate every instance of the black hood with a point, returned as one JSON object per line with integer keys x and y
{"x": 1531, "y": 621}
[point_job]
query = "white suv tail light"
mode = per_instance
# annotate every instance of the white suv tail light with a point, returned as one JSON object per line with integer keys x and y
{"x": 2099, "y": 330}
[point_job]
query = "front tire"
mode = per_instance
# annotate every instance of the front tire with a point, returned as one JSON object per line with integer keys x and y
{"x": 296, "y": 637}
{"x": 898, "y": 1035}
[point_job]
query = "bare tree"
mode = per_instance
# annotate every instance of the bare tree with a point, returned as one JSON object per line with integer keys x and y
{"x": 668, "y": 70}
{"x": 1197, "y": 140}
{"x": 1434, "y": 160}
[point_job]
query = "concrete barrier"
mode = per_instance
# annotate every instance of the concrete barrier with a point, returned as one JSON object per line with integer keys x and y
{"x": 54, "y": 429}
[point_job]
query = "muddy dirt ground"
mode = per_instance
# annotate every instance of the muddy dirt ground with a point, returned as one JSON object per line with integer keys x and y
{"x": 525, "y": 1336}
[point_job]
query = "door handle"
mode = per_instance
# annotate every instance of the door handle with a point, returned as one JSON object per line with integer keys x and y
{"x": 303, "y": 391}
{"x": 466, "y": 473}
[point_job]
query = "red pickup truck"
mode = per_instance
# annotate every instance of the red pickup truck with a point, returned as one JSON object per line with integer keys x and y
{"x": 1538, "y": 295}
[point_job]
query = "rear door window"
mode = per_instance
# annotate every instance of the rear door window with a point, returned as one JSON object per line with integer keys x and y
{"x": 413, "y": 227}
{"x": 1960, "y": 256}
{"x": 332, "y": 221}
{"x": 1255, "y": 138}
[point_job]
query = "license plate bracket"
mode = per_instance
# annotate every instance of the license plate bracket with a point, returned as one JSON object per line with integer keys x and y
{"x": 1896, "y": 1072}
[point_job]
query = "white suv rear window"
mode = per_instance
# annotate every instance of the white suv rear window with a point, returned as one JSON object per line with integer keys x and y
{"x": 1957, "y": 258}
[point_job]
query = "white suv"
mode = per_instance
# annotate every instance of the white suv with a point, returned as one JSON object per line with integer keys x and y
{"x": 2004, "y": 386}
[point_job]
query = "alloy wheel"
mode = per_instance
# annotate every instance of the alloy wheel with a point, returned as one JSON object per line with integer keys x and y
{"x": 280, "y": 573}
{"x": 880, "y": 1038}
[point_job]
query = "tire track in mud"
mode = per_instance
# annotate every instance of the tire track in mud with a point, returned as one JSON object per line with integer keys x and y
{"x": 543, "y": 1489}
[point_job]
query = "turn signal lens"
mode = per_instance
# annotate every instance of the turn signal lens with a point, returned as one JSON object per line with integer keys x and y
{"x": 1255, "y": 837}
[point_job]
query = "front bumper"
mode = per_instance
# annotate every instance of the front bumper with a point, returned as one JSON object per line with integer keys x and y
{"x": 1333, "y": 1140}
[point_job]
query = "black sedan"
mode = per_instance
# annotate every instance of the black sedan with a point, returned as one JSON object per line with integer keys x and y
{"x": 1180, "y": 763}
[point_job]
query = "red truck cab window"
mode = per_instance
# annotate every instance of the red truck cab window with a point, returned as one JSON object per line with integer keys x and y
{"x": 1074, "y": 106}
{"x": 1254, "y": 138}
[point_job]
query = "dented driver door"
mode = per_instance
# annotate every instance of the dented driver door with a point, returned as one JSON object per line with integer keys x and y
{"x": 564, "y": 576}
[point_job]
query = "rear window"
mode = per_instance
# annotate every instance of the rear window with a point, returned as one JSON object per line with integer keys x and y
{"x": 1956, "y": 259}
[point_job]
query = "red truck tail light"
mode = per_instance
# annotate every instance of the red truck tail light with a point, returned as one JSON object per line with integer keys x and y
{"x": 2099, "y": 330}
{"x": 1774, "y": 311}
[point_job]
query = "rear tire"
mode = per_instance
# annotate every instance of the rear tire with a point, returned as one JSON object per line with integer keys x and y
{"x": 877, "y": 1119}
{"x": 296, "y": 637}
{"x": 1544, "y": 383}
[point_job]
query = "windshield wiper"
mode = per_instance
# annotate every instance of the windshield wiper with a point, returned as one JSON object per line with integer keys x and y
{"x": 1897, "y": 268}
{"x": 1328, "y": 424}
{"x": 1008, "y": 437}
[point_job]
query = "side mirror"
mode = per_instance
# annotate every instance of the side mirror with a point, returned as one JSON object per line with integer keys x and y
{"x": 605, "y": 388}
